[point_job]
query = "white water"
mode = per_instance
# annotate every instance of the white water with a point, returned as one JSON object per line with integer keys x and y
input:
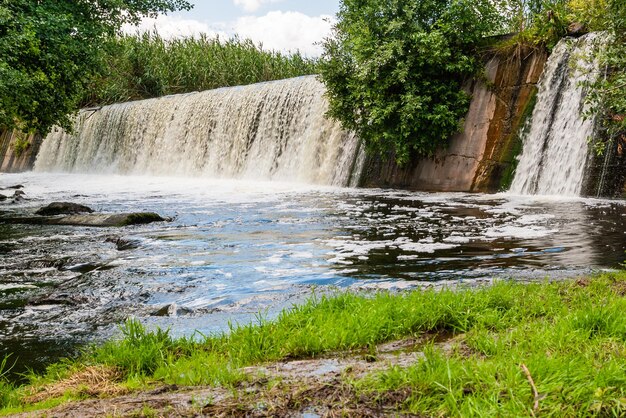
{"x": 267, "y": 131}
{"x": 556, "y": 148}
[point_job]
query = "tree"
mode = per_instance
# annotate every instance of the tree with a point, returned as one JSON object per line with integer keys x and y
{"x": 394, "y": 69}
{"x": 49, "y": 50}
{"x": 607, "y": 96}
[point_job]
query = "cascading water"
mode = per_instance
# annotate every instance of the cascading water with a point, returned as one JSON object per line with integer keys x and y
{"x": 556, "y": 147}
{"x": 272, "y": 131}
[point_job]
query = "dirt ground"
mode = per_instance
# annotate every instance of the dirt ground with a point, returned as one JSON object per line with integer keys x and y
{"x": 299, "y": 388}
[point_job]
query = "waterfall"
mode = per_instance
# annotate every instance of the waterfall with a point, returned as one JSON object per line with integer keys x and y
{"x": 555, "y": 145}
{"x": 270, "y": 131}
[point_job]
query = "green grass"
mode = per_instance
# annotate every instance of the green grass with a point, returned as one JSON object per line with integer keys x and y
{"x": 145, "y": 66}
{"x": 575, "y": 351}
{"x": 571, "y": 335}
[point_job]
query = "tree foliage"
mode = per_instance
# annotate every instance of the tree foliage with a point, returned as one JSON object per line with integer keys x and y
{"x": 49, "y": 49}
{"x": 607, "y": 95}
{"x": 394, "y": 70}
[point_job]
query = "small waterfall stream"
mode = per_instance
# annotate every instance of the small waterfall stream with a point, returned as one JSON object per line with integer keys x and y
{"x": 555, "y": 150}
{"x": 267, "y": 131}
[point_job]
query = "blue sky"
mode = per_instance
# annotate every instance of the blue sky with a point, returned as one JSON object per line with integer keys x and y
{"x": 284, "y": 25}
{"x": 228, "y": 10}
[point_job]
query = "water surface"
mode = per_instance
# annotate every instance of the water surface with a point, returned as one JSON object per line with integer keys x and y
{"x": 234, "y": 249}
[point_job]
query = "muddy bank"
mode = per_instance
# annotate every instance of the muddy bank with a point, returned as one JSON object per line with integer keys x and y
{"x": 310, "y": 387}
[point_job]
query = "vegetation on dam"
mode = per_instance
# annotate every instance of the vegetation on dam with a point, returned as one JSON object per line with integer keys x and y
{"x": 145, "y": 66}
{"x": 510, "y": 349}
{"x": 395, "y": 71}
{"x": 608, "y": 93}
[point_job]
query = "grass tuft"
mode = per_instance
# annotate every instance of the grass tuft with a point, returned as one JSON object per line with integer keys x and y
{"x": 91, "y": 381}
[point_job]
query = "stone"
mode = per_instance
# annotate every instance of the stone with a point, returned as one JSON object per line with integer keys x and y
{"x": 63, "y": 208}
{"x": 167, "y": 310}
{"x": 172, "y": 310}
{"x": 576, "y": 29}
{"x": 95, "y": 220}
{"x": 123, "y": 244}
{"x": 118, "y": 219}
{"x": 3, "y": 197}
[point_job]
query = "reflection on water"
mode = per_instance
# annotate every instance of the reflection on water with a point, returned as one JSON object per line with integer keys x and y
{"x": 236, "y": 248}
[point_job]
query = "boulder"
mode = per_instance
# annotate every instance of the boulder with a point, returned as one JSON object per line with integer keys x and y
{"x": 97, "y": 220}
{"x": 63, "y": 208}
{"x": 172, "y": 310}
{"x": 118, "y": 219}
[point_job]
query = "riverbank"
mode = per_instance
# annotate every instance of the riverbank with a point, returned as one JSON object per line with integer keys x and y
{"x": 509, "y": 349}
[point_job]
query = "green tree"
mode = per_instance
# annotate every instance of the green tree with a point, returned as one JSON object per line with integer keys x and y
{"x": 49, "y": 50}
{"x": 608, "y": 93}
{"x": 394, "y": 70}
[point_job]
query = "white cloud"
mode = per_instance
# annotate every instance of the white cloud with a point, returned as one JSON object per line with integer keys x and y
{"x": 251, "y": 6}
{"x": 286, "y": 31}
{"x": 280, "y": 31}
{"x": 174, "y": 27}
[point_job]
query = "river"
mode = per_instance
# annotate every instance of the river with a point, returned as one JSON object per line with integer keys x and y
{"x": 235, "y": 250}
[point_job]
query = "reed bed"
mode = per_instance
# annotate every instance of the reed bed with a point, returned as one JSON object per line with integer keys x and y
{"x": 145, "y": 65}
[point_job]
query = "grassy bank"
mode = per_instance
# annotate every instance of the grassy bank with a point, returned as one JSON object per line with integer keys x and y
{"x": 508, "y": 349}
{"x": 145, "y": 66}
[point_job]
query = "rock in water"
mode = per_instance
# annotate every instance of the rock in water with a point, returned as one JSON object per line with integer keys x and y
{"x": 63, "y": 208}
{"x": 118, "y": 219}
{"x": 98, "y": 220}
{"x": 122, "y": 243}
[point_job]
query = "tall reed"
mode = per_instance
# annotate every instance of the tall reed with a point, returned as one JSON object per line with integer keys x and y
{"x": 146, "y": 65}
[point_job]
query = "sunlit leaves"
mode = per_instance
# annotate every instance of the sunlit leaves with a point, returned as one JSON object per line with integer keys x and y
{"x": 394, "y": 70}
{"x": 49, "y": 49}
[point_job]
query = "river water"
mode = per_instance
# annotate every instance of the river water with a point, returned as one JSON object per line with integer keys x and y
{"x": 235, "y": 249}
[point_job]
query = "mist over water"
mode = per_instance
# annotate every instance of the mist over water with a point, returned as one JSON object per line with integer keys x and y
{"x": 237, "y": 248}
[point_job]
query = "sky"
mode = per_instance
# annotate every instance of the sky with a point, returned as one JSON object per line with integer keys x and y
{"x": 282, "y": 25}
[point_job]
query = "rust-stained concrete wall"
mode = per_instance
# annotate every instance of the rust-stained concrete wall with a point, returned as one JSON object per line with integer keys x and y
{"x": 478, "y": 159}
{"x": 12, "y": 161}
